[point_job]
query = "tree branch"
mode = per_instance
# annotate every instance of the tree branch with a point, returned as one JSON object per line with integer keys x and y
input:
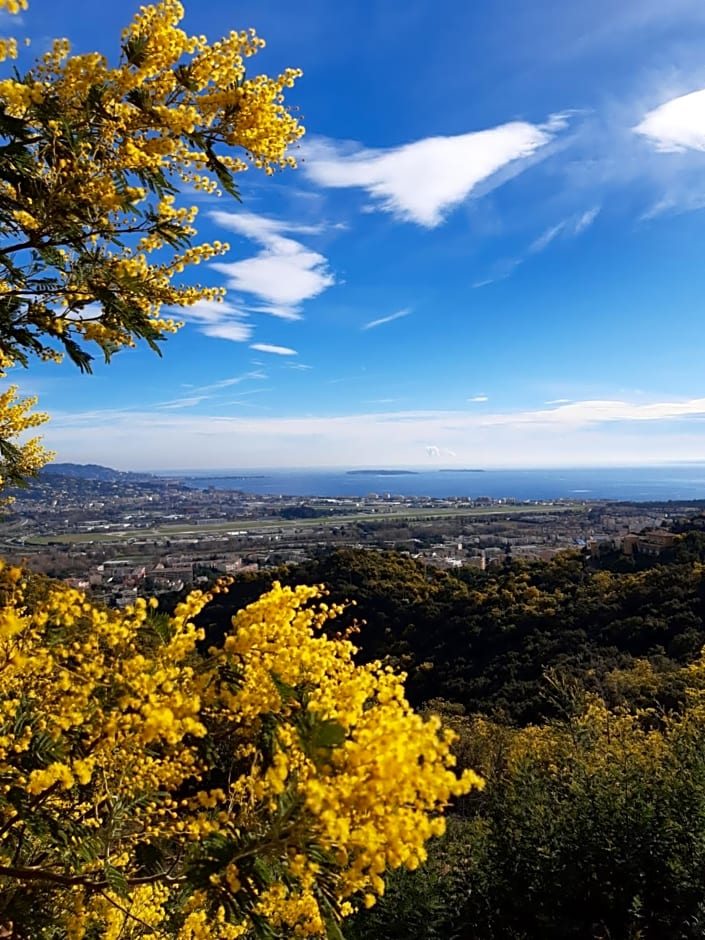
{"x": 54, "y": 877}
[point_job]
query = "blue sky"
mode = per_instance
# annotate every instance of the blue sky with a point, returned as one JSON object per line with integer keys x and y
{"x": 492, "y": 254}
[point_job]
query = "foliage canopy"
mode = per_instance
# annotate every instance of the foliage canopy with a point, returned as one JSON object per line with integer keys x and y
{"x": 485, "y": 640}
{"x": 92, "y": 157}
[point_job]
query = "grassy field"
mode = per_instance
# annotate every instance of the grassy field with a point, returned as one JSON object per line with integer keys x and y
{"x": 264, "y": 526}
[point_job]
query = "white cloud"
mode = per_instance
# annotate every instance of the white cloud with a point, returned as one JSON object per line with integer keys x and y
{"x": 479, "y": 398}
{"x": 237, "y": 332}
{"x": 647, "y": 144}
{"x": 285, "y": 279}
{"x": 677, "y": 125}
{"x": 276, "y": 350}
{"x": 394, "y": 316}
{"x": 433, "y": 450}
{"x": 585, "y": 433}
{"x": 221, "y": 319}
{"x": 260, "y": 228}
{"x": 284, "y": 274}
{"x": 600, "y": 411}
{"x": 422, "y": 181}
{"x": 206, "y": 311}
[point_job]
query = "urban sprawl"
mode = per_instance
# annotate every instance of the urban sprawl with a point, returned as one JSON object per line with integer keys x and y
{"x": 122, "y": 535}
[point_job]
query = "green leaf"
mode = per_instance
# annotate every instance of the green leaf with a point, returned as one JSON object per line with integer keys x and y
{"x": 327, "y": 734}
{"x": 223, "y": 174}
{"x": 116, "y": 880}
{"x": 89, "y": 848}
{"x": 135, "y": 50}
{"x": 44, "y": 750}
{"x": 77, "y": 355}
{"x": 333, "y": 931}
{"x": 162, "y": 627}
{"x": 183, "y": 77}
{"x": 286, "y": 692}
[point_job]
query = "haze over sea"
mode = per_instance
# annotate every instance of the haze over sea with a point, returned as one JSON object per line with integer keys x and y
{"x": 678, "y": 482}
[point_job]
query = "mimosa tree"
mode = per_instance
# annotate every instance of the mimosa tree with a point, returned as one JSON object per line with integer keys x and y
{"x": 149, "y": 787}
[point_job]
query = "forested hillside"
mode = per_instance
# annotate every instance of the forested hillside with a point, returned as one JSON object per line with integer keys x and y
{"x": 577, "y": 690}
{"x": 485, "y": 640}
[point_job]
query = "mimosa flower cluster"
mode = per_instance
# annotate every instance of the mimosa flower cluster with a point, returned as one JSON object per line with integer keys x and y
{"x": 20, "y": 457}
{"x": 151, "y": 788}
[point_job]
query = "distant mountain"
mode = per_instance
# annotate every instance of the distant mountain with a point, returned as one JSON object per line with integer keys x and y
{"x": 92, "y": 471}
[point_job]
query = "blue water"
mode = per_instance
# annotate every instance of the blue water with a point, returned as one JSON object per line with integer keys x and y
{"x": 681, "y": 482}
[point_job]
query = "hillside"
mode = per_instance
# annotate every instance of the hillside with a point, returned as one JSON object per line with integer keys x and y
{"x": 92, "y": 471}
{"x": 486, "y": 640}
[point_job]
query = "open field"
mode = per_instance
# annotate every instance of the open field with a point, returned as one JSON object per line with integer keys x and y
{"x": 257, "y": 526}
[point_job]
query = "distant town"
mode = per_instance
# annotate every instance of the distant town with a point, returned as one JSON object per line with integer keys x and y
{"x": 119, "y": 535}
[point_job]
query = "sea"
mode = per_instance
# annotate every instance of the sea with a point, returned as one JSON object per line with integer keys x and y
{"x": 637, "y": 484}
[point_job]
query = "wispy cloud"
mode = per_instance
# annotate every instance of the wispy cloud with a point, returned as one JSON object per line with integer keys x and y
{"x": 11, "y": 19}
{"x": 570, "y": 227}
{"x": 275, "y": 350}
{"x": 261, "y": 228}
{"x": 197, "y": 395}
{"x": 284, "y": 274}
{"x": 282, "y": 313}
{"x": 677, "y": 125}
{"x": 422, "y": 181}
{"x": 223, "y": 320}
{"x": 581, "y": 433}
{"x": 237, "y": 332}
{"x": 648, "y": 144}
{"x": 382, "y": 320}
{"x": 601, "y": 411}
{"x": 585, "y": 220}
{"x": 642, "y": 150}
{"x": 479, "y": 398}
{"x": 568, "y": 33}
{"x": 187, "y": 402}
{"x": 499, "y": 271}
{"x": 544, "y": 240}
{"x": 235, "y": 380}
{"x": 433, "y": 450}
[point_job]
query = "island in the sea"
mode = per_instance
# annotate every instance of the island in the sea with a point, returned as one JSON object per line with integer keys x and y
{"x": 382, "y": 473}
